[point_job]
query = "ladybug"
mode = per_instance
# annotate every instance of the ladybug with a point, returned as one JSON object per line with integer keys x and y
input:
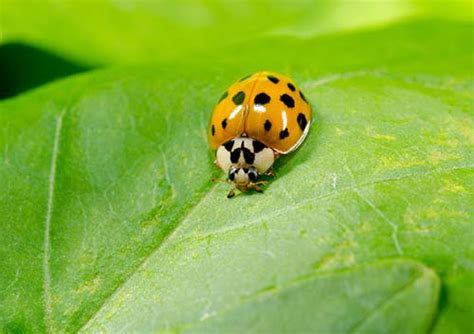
{"x": 258, "y": 118}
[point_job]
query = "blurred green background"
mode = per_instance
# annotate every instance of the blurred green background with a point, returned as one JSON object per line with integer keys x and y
{"x": 43, "y": 40}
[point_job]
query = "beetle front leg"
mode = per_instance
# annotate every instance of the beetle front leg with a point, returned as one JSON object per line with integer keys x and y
{"x": 231, "y": 193}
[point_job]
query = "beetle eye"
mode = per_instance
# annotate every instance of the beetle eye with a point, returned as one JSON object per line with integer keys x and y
{"x": 253, "y": 175}
{"x": 232, "y": 173}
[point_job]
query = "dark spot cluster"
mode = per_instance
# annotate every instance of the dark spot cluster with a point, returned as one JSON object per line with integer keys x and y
{"x": 262, "y": 99}
{"x": 291, "y": 87}
{"x": 288, "y": 101}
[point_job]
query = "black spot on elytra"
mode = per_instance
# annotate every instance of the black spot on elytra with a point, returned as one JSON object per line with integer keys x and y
{"x": 257, "y": 146}
{"x": 273, "y": 79}
{"x": 238, "y": 98}
{"x": 301, "y": 119}
{"x": 287, "y": 100}
{"x": 246, "y": 77}
{"x": 302, "y": 96}
{"x": 284, "y": 133}
{"x": 267, "y": 125}
{"x": 213, "y": 130}
{"x": 228, "y": 145}
{"x": 261, "y": 98}
{"x": 223, "y": 96}
{"x": 232, "y": 175}
{"x": 291, "y": 86}
{"x": 224, "y": 123}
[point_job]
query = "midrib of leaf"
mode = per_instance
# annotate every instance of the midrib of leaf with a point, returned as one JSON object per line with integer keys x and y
{"x": 143, "y": 263}
{"x": 47, "y": 226}
{"x": 392, "y": 225}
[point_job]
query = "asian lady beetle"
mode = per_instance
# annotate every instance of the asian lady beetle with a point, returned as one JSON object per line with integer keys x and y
{"x": 258, "y": 118}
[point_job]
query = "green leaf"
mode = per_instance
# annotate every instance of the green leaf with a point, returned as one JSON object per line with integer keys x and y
{"x": 390, "y": 297}
{"x": 124, "y": 32}
{"x": 110, "y": 221}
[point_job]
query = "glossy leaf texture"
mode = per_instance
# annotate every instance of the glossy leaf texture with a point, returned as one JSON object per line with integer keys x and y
{"x": 110, "y": 221}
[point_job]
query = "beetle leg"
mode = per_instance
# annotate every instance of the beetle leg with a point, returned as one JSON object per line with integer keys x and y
{"x": 270, "y": 172}
{"x": 258, "y": 188}
{"x": 231, "y": 193}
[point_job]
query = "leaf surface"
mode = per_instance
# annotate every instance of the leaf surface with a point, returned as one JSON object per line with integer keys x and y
{"x": 110, "y": 221}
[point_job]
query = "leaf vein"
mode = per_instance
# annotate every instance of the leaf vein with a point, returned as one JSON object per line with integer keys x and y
{"x": 47, "y": 226}
{"x": 393, "y": 226}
